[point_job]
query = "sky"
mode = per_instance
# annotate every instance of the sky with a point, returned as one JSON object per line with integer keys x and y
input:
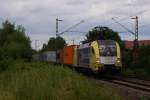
{"x": 39, "y": 17}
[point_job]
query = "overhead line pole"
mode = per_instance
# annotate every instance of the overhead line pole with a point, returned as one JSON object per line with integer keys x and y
{"x": 136, "y": 44}
{"x": 57, "y": 20}
{"x": 136, "y": 33}
{"x": 36, "y": 44}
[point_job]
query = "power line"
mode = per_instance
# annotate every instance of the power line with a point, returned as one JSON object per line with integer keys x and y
{"x": 134, "y": 33}
{"x": 123, "y": 19}
{"x": 77, "y": 31}
{"x": 73, "y": 26}
{"x": 128, "y": 17}
{"x": 123, "y": 26}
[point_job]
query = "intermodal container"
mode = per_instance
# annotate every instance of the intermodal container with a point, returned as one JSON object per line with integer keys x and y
{"x": 50, "y": 56}
{"x": 68, "y": 54}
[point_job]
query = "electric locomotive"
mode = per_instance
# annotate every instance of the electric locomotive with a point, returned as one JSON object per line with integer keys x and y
{"x": 100, "y": 55}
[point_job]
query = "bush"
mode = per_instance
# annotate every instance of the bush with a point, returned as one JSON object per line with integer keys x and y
{"x": 5, "y": 63}
{"x": 144, "y": 57}
{"x": 127, "y": 58}
{"x": 139, "y": 66}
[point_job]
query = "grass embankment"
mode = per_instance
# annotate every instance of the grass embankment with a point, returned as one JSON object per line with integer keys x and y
{"x": 42, "y": 81}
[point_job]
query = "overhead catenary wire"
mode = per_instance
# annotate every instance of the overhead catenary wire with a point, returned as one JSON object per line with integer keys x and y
{"x": 123, "y": 19}
{"x": 128, "y": 17}
{"x": 77, "y": 31}
{"x": 123, "y": 26}
{"x": 73, "y": 26}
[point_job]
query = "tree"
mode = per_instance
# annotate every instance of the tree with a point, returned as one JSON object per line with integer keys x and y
{"x": 102, "y": 33}
{"x": 7, "y": 29}
{"x": 54, "y": 44}
{"x": 13, "y": 42}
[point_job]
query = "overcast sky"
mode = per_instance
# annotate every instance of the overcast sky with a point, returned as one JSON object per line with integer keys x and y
{"x": 39, "y": 17}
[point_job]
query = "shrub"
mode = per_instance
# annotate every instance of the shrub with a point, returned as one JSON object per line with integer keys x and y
{"x": 5, "y": 63}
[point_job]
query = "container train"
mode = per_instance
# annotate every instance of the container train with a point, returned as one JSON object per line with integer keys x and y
{"x": 99, "y": 55}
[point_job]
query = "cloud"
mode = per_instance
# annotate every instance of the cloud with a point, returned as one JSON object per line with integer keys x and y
{"x": 38, "y": 16}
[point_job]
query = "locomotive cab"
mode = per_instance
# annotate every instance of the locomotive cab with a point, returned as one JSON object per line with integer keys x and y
{"x": 109, "y": 55}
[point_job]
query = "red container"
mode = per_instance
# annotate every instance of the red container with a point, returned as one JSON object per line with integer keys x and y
{"x": 68, "y": 54}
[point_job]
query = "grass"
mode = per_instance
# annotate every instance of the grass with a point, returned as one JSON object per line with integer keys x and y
{"x": 42, "y": 81}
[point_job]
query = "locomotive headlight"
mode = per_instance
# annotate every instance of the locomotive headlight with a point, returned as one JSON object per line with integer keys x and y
{"x": 98, "y": 60}
{"x": 118, "y": 60}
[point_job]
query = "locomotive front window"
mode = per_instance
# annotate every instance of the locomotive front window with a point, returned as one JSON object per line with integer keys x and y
{"x": 107, "y": 48}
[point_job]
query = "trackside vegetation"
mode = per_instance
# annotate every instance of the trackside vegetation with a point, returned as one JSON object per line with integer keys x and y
{"x": 41, "y": 81}
{"x": 139, "y": 68}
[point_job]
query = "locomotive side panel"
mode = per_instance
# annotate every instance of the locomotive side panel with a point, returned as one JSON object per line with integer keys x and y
{"x": 84, "y": 57}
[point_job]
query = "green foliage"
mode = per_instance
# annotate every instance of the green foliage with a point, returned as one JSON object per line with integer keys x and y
{"x": 143, "y": 60}
{"x": 7, "y": 29}
{"x": 102, "y": 33}
{"x": 5, "y": 63}
{"x": 13, "y": 42}
{"x": 42, "y": 81}
{"x": 127, "y": 57}
{"x": 140, "y": 67}
{"x": 54, "y": 44}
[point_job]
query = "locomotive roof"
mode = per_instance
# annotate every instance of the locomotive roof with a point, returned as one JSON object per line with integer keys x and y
{"x": 86, "y": 45}
{"x": 106, "y": 42}
{"x": 101, "y": 42}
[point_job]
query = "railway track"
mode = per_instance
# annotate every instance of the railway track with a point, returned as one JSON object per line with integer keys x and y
{"x": 132, "y": 84}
